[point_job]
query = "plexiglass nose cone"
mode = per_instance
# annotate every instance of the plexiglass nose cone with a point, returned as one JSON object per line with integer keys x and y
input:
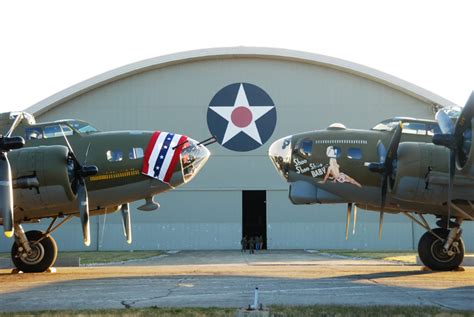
{"x": 193, "y": 158}
{"x": 280, "y": 155}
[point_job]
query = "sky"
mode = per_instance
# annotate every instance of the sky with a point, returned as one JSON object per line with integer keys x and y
{"x": 47, "y": 46}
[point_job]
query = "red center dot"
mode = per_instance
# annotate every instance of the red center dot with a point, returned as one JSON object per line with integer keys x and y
{"x": 241, "y": 117}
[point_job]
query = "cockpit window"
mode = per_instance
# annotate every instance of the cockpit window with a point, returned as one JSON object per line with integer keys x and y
{"x": 54, "y": 131}
{"x": 33, "y": 133}
{"x": 409, "y": 127}
{"x": 414, "y": 128}
{"x": 81, "y": 126}
{"x": 385, "y": 126}
{"x": 135, "y": 153}
{"x": 114, "y": 155}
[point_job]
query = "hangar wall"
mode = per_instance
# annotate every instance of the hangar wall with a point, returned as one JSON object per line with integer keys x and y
{"x": 207, "y": 212}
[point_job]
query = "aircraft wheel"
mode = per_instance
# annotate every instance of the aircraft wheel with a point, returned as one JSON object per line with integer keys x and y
{"x": 42, "y": 257}
{"x": 432, "y": 254}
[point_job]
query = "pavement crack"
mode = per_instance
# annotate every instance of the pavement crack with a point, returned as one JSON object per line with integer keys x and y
{"x": 169, "y": 292}
{"x": 124, "y": 303}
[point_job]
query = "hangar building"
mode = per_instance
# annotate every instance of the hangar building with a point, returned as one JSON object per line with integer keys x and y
{"x": 238, "y": 191}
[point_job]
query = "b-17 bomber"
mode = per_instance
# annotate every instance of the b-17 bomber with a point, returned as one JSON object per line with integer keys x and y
{"x": 69, "y": 168}
{"x": 403, "y": 165}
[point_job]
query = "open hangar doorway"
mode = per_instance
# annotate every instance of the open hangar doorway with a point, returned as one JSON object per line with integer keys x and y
{"x": 254, "y": 215}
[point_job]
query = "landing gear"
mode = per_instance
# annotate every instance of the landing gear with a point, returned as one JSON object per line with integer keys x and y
{"x": 33, "y": 251}
{"x": 440, "y": 249}
{"x": 435, "y": 256}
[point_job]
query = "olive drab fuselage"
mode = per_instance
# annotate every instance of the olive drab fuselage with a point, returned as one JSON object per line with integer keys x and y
{"x": 331, "y": 166}
{"x": 118, "y": 156}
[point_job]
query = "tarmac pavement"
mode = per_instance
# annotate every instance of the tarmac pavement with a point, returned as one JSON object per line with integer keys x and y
{"x": 228, "y": 279}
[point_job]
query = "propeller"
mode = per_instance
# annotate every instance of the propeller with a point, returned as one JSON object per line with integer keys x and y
{"x": 453, "y": 137}
{"x": 7, "y": 143}
{"x": 355, "y": 220}
{"x": 385, "y": 167}
{"x": 350, "y": 207}
{"x": 386, "y": 162}
{"x": 348, "y": 220}
{"x": 78, "y": 185}
{"x": 380, "y": 224}
{"x": 127, "y": 223}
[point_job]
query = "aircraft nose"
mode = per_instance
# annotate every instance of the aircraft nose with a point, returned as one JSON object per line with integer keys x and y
{"x": 280, "y": 155}
{"x": 193, "y": 158}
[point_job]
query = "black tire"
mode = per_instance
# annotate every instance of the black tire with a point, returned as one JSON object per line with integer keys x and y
{"x": 430, "y": 250}
{"x": 42, "y": 257}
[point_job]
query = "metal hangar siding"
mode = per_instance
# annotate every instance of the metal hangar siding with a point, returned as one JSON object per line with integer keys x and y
{"x": 238, "y": 192}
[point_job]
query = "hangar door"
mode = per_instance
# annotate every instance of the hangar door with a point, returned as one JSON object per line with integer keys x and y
{"x": 254, "y": 214}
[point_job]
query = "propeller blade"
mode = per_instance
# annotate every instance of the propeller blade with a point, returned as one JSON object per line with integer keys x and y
{"x": 74, "y": 157}
{"x": 83, "y": 206}
{"x": 452, "y": 170}
{"x": 6, "y": 195}
{"x": 384, "y": 186}
{"x": 393, "y": 147}
{"x": 379, "y": 167}
{"x": 381, "y": 151}
{"x": 445, "y": 124}
{"x": 388, "y": 164}
{"x": 127, "y": 223}
{"x": 348, "y": 220}
{"x": 355, "y": 220}
{"x": 380, "y": 225}
{"x": 465, "y": 118}
{"x": 15, "y": 124}
{"x": 87, "y": 153}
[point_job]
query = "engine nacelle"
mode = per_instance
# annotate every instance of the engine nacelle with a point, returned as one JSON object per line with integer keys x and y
{"x": 40, "y": 177}
{"x": 414, "y": 162}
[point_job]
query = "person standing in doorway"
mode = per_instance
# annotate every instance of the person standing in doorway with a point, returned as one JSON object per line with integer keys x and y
{"x": 260, "y": 242}
{"x": 243, "y": 244}
{"x": 252, "y": 245}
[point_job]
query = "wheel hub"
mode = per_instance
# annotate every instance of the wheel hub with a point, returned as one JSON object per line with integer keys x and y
{"x": 35, "y": 256}
{"x": 440, "y": 254}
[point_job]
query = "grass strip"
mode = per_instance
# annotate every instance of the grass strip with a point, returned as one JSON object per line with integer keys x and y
{"x": 276, "y": 311}
{"x": 110, "y": 256}
{"x": 89, "y": 257}
{"x": 398, "y": 256}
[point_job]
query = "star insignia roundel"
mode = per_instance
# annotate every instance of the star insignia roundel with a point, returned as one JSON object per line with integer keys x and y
{"x": 241, "y": 116}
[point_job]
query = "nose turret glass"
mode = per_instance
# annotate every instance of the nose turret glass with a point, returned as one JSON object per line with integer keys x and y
{"x": 280, "y": 155}
{"x": 193, "y": 158}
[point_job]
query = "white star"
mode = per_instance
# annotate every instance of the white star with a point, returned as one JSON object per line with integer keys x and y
{"x": 249, "y": 113}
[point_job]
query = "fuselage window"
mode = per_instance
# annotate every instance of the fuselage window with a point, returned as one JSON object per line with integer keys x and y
{"x": 135, "y": 153}
{"x": 414, "y": 128}
{"x": 306, "y": 147}
{"x": 114, "y": 155}
{"x": 354, "y": 153}
{"x": 54, "y": 131}
{"x": 33, "y": 133}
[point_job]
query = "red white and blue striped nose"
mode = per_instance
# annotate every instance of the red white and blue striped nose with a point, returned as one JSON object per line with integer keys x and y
{"x": 172, "y": 158}
{"x": 162, "y": 155}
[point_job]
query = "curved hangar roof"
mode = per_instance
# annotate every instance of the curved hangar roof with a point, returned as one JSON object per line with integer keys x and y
{"x": 237, "y": 52}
